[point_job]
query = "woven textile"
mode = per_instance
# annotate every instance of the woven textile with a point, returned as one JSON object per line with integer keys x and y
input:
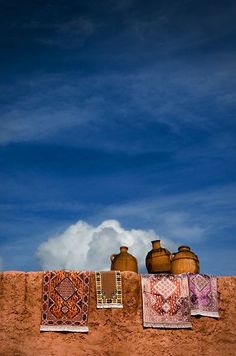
{"x": 165, "y": 301}
{"x": 65, "y": 301}
{"x": 109, "y": 289}
{"x": 203, "y": 295}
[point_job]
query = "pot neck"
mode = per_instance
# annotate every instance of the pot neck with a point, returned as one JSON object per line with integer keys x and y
{"x": 123, "y": 249}
{"x": 183, "y": 248}
{"x": 156, "y": 244}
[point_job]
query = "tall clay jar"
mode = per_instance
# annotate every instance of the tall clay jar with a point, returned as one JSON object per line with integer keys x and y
{"x": 124, "y": 261}
{"x": 158, "y": 259}
{"x": 184, "y": 261}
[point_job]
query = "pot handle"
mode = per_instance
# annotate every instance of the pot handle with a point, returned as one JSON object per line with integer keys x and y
{"x": 112, "y": 257}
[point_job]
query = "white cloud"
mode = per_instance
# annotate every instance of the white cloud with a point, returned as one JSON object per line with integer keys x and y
{"x": 188, "y": 217}
{"x": 83, "y": 246}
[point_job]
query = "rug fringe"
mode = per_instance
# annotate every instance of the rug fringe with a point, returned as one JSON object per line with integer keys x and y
{"x": 74, "y": 329}
{"x": 205, "y": 313}
{"x": 168, "y": 326}
{"x": 104, "y": 306}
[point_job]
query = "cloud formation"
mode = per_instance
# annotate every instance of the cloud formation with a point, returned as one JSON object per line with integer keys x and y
{"x": 83, "y": 246}
{"x": 188, "y": 217}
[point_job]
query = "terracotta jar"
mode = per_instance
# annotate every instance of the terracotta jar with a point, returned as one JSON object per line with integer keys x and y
{"x": 158, "y": 259}
{"x": 184, "y": 261}
{"x": 124, "y": 261}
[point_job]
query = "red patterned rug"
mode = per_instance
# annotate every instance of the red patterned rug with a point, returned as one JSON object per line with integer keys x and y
{"x": 203, "y": 295}
{"x": 166, "y": 301}
{"x": 65, "y": 301}
{"x": 109, "y": 289}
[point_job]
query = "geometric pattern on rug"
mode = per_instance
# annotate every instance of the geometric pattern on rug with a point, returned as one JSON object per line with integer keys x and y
{"x": 199, "y": 281}
{"x": 165, "y": 301}
{"x": 203, "y": 295}
{"x": 109, "y": 289}
{"x": 165, "y": 287}
{"x": 65, "y": 300}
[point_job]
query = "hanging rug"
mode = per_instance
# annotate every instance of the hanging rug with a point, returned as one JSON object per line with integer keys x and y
{"x": 65, "y": 301}
{"x": 203, "y": 295}
{"x": 165, "y": 301}
{"x": 109, "y": 289}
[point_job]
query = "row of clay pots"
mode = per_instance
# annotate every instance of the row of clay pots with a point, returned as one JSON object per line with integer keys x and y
{"x": 158, "y": 260}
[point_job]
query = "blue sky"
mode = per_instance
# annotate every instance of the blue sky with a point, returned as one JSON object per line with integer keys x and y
{"x": 119, "y": 111}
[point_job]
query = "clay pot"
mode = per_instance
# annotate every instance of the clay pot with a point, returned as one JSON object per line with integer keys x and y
{"x": 124, "y": 261}
{"x": 158, "y": 259}
{"x": 184, "y": 261}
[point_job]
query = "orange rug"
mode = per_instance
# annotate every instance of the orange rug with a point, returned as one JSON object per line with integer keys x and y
{"x": 65, "y": 301}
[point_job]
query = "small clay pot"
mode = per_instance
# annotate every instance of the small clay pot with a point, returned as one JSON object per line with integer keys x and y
{"x": 124, "y": 261}
{"x": 158, "y": 259}
{"x": 184, "y": 261}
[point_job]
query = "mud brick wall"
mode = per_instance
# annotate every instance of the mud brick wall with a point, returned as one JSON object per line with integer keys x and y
{"x": 111, "y": 331}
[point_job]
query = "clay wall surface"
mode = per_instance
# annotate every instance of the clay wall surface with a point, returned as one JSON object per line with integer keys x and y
{"x": 111, "y": 331}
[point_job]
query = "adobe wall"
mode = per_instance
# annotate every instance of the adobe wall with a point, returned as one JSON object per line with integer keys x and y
{"x": 111, "y": 331}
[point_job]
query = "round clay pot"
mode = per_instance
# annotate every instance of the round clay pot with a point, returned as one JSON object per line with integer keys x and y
{"x": 184, "y": 261}
{"x": 158, "y": 259}
{"x": 124, "y": 261}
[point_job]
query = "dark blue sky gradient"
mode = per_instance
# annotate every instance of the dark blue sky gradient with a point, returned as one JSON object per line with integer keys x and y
{"x": 118, "y": 110}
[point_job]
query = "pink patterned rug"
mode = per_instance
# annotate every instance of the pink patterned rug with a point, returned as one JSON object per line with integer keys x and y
{"x": 65, "y": 301}
{"x": 203, "y": 295}
{"x": 165, "y": 301}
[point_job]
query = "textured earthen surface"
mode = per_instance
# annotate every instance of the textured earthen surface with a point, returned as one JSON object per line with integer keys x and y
{"x": 111, "y": 331}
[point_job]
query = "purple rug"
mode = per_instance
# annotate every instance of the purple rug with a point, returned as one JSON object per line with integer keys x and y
{"x": 203, "y": 295}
